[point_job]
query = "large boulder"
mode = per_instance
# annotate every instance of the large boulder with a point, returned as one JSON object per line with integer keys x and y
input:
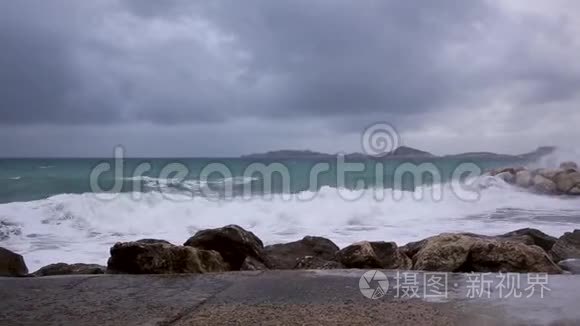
{"x": 567, "y": 181}
{"x": 569, "y": 165}
{"x": 232, "y": 242}
{"x": 162, "y": 258}
{"x": 524, "y": 178}
{"x": 531, "y": 236}
{"x": 251, "y": 264}
{"x": 72, "y": 269}
{"x": 285, "y": 255}
{"x": 548, "y": 173}
{"x": 508, "y": 257}
{"x": 567, "y": 246}
{"x": 12, "y": 264}
{"x": 473, "y": 253}
{"x": 544, "y": 185}
{"x": 445, "y": 253}
{"x": 385, "y": 255}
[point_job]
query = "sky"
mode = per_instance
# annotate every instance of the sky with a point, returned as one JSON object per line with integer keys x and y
{"x": 224, "y": 78}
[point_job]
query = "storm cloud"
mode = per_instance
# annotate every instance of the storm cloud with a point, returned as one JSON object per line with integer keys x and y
{"x": 155, "y": 75}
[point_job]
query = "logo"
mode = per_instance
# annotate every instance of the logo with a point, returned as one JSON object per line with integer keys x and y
{"x": 373, "y": 284}
{"x": 380, "y": 139}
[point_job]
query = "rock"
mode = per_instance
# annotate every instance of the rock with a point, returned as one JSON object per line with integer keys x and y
{"x": 445, "y": 253}
{"x": 495, "y": 172}
{"x": 251, "y": 264}
{"x": 524, "y": 179}
{"x": 412, "y": 248}
{"x": 508, "y": 257}
{"x": 468, "y": 253}
{"x": 73, "y": 269}
{"x": 153, "y": 241}
{"x": 570, "y": 265}
{"x": 532, "y": 236}
{"x": 544, "y": 186}
{"x": 232, "y": 242}
{"x": 312, "y": 262}
{"x": 12, "y": 264}
{"x": 567, "y": 246}
{"x": 569, "y": 165}
{"x": 366, "y": 254}
{"x": 284, "y": 256}
{"x": 548, "y": 173}
{"x": 567, "y": 181}
{"x": 162, "y": 258}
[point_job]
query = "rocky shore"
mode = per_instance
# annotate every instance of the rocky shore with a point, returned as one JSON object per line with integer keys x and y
{"x": 232, "y": 248}
{"x": 562, "y": 181}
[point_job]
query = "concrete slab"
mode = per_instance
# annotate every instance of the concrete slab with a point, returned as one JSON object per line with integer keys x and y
{"x": 272, "y": 298}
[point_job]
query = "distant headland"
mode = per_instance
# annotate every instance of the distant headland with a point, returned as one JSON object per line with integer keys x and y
{"x": 401, "y": 152}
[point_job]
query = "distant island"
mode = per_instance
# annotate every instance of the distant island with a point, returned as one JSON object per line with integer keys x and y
{"x": 401, "y": 152}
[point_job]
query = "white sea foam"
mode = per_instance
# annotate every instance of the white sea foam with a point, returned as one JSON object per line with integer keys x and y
{"x": 82, "y": 228}
{"x": 15, "y": 178}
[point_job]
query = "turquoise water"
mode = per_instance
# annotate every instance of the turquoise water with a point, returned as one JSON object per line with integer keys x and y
{"x": 33, "y": 179}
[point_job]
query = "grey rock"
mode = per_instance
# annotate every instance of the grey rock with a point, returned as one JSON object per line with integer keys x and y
{"x": 544, "y": 185}
{"x": 509, "y": 257}
{"x": 445, "y": 253}
{"x": 532, "y": 236}
{"x": 12, "y": 264}
{"x": 366, "y": 254}
{"x": 72, "y": 269}
{"x": 232, "y": 242}
{"x": 548, "y": 173}
{"x": 251, "y": 264}
{"x": 153, "y": 241}
{"x": 468, "y": 253}
{"x": 567, "y": 181}
{"x": 567, "y": 246}
{"x": 524, "y": 179}
{"x": 162, "y": 258}
{"x": 284, "y": 256}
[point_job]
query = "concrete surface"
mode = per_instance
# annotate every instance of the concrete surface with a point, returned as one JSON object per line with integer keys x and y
{"x": 272, "y": 298}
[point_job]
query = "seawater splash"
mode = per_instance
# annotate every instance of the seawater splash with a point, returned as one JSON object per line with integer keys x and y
{"x": 81, "y": 228}
{"x": 560, "y": 155}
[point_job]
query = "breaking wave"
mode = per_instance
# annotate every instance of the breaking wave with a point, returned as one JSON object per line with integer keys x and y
{"x": 81, "y": 227}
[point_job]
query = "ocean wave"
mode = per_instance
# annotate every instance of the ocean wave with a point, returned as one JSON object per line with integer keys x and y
{"x": 82, "y": 227}
{"x": 189, "y": 185}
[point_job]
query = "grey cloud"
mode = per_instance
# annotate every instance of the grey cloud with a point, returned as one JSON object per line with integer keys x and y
{"x": 343, "y": 63}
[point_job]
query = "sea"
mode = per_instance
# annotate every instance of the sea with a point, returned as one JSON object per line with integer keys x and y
{"x": 74, "y": 210}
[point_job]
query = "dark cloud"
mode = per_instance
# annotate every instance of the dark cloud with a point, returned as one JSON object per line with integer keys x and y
{"x": 344, "y": 63}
